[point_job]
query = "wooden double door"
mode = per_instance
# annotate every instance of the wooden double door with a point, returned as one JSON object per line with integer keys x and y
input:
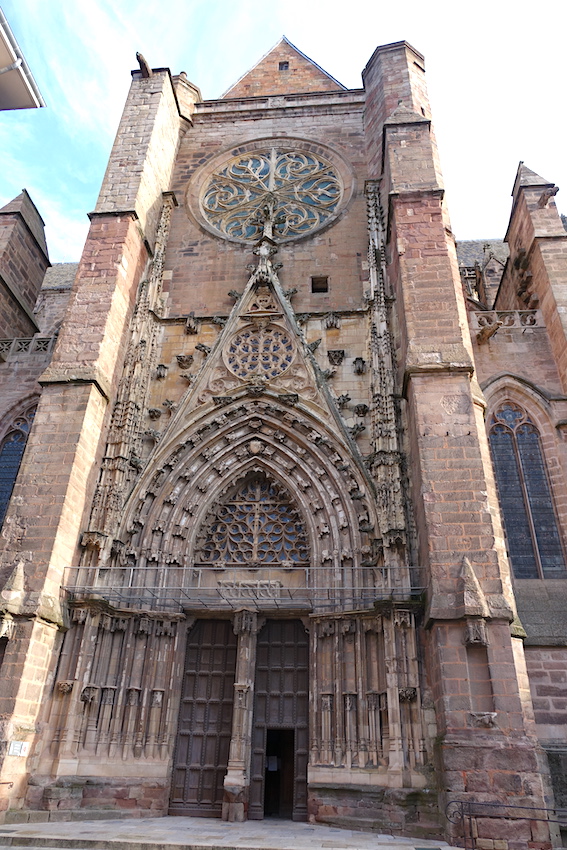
{"x": 279, "y": 746}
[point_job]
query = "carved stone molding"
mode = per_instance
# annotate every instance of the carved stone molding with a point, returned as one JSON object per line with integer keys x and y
{"x": 408, "y": 694}
{"x": 402, "y": 618}
{"x": 93, "y": 539}
{"x": 356, "y": 429}
{"x": 483, "y": 719}
{"x": 350, "y": 702}
{"x": 89, "y": 694}
{"x": 336, "y": 356}
{"x": 331, "y": 320}
{"x": 245, "y": 622}
{"x": 7, "y": 626}
{"x": 250, "y": 589}
{"x": 289, "y": 398}
{"x": 191, "y": 324}
{"x": 326, "y": 702}
{"x": 64, "y": 688}
{"x": 184, "y": 360}
{"x": 476, "y": 633}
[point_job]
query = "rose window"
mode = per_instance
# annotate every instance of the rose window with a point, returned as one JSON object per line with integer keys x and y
{"x": 256, "y": 526}
{"x": 303, "y": 188}
{"x": 260, "y": 352}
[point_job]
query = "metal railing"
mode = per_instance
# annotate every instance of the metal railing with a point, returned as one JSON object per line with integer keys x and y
{"x": 176, "y": 588}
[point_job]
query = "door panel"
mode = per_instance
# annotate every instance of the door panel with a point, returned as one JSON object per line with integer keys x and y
{"x": 281, "y": 703}
{"x": 205, "y": 720}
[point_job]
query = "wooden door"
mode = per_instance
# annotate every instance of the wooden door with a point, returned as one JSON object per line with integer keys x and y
{"x": 205, "y": 720}
{"x": 281, "y": 703}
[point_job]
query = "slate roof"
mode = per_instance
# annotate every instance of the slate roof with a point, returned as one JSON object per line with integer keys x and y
{"x": 478, "y": 251}
{"x": 60, "y": 276}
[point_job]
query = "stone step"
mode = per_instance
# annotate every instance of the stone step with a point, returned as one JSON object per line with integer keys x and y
{"x": 181, "y": 833}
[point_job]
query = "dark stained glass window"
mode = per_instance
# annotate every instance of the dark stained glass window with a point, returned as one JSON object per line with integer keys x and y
{"x": 11, "y": 451}
{"x": 534, "y": 543}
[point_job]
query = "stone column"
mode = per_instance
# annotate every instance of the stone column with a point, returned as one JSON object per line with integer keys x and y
{"x": 237, "y": 779}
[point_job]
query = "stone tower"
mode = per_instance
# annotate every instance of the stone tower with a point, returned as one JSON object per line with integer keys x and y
{"x": 253, "y": 561}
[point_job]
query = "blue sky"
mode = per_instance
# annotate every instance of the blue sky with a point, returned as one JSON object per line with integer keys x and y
{"x": 495, "y": 72}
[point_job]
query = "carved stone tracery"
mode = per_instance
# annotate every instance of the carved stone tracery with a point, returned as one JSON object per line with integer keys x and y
{"x": 257, "y": 525}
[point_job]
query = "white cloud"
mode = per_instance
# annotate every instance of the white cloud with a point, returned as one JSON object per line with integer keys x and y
{"x": 496, "y": 91}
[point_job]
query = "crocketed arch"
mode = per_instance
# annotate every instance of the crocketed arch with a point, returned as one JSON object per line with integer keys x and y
{"x": 11, "y": 452}
{"x": 170, "y": 508}
{"x": 534, "y": 541}
{"x": 255, "y": 525}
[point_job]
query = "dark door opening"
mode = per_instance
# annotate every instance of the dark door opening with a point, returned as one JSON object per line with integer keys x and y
{"x": 280, "y": 730}
{"x": 278, "y": 789}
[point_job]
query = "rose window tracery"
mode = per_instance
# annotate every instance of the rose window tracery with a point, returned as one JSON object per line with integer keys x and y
{"x": 303, "y": 187}
{"x": 257, "y": 525}
{"x": 265, "y": 352}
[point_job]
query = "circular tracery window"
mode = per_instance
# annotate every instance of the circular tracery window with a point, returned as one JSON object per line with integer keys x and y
{"x": 260, "y": 351}
{"x": 303, "y": 186}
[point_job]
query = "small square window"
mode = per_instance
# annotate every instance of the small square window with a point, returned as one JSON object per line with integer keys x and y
{"x": 320, "y": 284}
{"x": 284, "y": 66}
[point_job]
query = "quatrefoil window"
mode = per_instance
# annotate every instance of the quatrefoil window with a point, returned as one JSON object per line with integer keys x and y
{"x": 260, "y": 352}
{"x": 257, "y": 525}
{"x": 304, "y": 188}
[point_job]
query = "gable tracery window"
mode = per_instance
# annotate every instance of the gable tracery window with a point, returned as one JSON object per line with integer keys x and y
{"x": 534, "y": 541}
{"x": 11, "y": 452}
{"x": 256, "y": 525}
{"x": 261, "y": 351}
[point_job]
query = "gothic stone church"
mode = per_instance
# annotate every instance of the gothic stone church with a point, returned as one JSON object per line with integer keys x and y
{"x": 283, "y": 483}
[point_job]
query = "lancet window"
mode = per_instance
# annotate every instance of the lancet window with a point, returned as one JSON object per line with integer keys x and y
{"x": 11, "y": 452}
{"x": 256, "y": 525}
{"x": 532, "y": 532}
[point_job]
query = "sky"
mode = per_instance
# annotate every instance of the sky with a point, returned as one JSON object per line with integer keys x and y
{"x": 495, "y": 71}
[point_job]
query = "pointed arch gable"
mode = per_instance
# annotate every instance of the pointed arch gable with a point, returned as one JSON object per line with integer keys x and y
{"x": 174, "y": 497}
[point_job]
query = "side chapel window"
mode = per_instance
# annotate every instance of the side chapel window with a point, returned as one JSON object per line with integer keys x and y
{"x": 534, "y": 542}
{"x": 11, "y": 451}
{"x": 255, "y": 525}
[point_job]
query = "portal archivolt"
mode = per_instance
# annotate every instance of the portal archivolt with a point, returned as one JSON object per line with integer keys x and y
{"x": 255, "y": 487}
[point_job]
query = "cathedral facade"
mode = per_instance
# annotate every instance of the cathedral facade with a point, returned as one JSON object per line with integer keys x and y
{"x": 283, "y": 483}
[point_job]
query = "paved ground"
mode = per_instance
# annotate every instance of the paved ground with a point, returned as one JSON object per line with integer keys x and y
{"x": 169, "y": 833}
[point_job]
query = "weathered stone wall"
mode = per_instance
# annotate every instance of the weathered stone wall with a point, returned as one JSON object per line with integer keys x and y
{"x": 23, "y": 262}
{"x": 52, "y": 497}
{"x": 547, "y": 670}
{"x": 203, "y": 268}
{"x": 267, "y": 77}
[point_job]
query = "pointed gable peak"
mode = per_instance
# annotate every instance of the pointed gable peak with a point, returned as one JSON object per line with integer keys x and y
{"x": 525, "y": 178}
{"x": 23, "y": 205}
{"x": 283, "y": 70}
